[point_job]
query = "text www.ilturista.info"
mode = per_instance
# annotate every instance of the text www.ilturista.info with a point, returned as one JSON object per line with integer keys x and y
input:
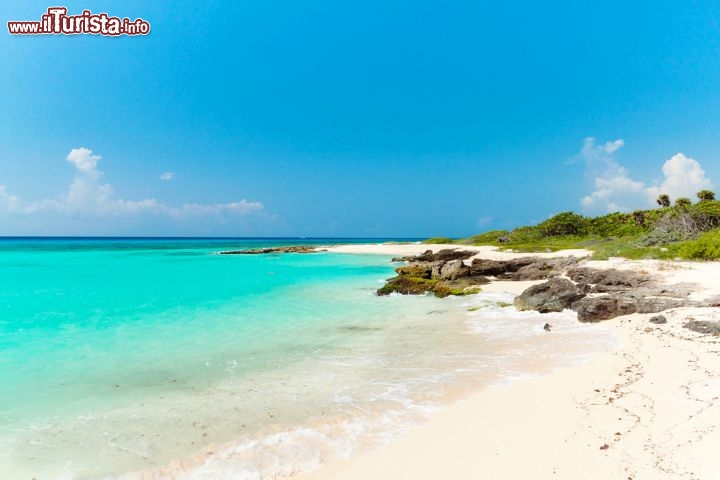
{"x": 57, "y": 22}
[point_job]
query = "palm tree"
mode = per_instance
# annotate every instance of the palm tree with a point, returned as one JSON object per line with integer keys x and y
{"x": 663, "y": 200}
{"x": 683, "y": 202}
{"x": 706, "y": 195}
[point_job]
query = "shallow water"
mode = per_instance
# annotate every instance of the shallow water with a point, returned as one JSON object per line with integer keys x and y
{"x": 163, "y": 358}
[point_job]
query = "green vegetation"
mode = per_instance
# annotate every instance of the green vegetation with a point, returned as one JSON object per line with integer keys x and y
{"x": 439, "y": 240}
{"x": 483, "y": 238}
{"x": 415, "y": 285}
{"x": 683, "y": 230}
{"x": 705, "y": 247}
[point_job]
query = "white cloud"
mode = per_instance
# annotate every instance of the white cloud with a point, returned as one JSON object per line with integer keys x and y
{"x": 8, "y": 203}
{"x": 616, "y": 191}
{"x": 167, "y": 176}
{"x": 684, "y": 177}
{"x": 88, "y": 197}
{"x": 243, "y": 207}
{"x": 83, "y": 159}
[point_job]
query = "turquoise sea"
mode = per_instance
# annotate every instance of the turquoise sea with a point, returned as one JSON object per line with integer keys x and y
{"x": 159, "y": 358}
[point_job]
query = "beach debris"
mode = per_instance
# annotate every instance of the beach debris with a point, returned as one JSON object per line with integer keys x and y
{"x": 547, "y": 327}
{"x": 604, "y": 446}
{"x": 658, "y": 319}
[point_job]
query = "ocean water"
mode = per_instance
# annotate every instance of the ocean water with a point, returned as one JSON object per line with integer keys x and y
{"x": 158, "y": 358}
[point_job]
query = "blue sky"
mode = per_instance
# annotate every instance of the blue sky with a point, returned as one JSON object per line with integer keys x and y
{"x": 373, "y": 118}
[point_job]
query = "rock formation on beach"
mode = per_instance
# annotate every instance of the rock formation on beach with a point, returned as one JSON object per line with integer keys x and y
{"x": 603, "y": 294}
{"x": 447, "y": 273}
{"x": 595, "y": 294}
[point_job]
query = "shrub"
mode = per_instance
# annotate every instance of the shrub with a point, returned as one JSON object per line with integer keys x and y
{"x": 526, "y": 233}
{"x": 708, "y": 208}
{"x": 705, "y": 247}
{"x": 565, "y": 223}
{"x": 436, "y": 240}
{"x": 486, "y": 238}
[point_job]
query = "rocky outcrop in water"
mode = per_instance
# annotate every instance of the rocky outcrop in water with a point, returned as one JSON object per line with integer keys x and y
{"x": 290, "y": 249}
{"x": 441, "y": 273}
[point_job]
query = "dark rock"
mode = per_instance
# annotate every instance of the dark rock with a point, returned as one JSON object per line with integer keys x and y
{"x": 534, "y": 271}
{"x": 454, "y": 269}
{"x": 471, "y": 281}
{"x": 524, "y": 268}
{"x": 678, "y": 290}
{"x": 594, "y": 309}
{"x": 538, "y": 269}
{"x": 481, "y": 266}
{"x": 290, "y": 249}
{"x": 407, "y": 285}
{"x": 449, "y": 254}
{"x": 416, "y": 269}
{"x": 554, "y": 295}
{"x": 444, "y": 255}
{"x": 547, "y": 327}
{"x": 611, "y": 280}
{"x": 647, "y": 304}
{"x": 442, "y": 273}
{"x": 713, "y": 301}
{"x": 604, "y": 307}
{"x": 702, "y": 326}
{"x": 517, "y": 263}
{"x": 658, "y": 319}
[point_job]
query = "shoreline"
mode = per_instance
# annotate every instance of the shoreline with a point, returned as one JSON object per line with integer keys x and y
{"x": 647, "y": 410}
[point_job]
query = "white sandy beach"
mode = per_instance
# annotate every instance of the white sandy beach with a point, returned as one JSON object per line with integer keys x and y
{"x": 647, "y": 410}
